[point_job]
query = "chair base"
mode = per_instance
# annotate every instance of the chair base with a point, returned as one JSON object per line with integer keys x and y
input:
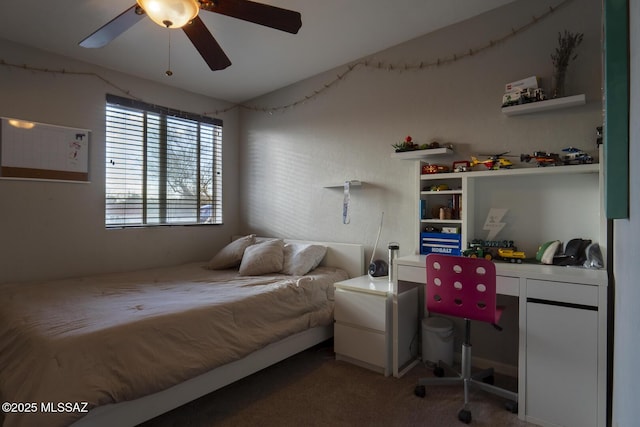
{"x": 482, "y": 380}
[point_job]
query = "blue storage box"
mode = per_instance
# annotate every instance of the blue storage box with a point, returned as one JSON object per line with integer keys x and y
{"x": 440, "y": 243}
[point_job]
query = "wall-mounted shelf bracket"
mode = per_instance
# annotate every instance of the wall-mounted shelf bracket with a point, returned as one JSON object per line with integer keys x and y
{"x": 352, "y": 183}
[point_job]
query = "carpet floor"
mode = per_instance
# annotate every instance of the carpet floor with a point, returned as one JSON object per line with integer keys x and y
{"x": 314, "y": 389}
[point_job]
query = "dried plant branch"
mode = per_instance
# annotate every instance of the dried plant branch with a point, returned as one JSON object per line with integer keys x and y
{"x": 567, "y": 43}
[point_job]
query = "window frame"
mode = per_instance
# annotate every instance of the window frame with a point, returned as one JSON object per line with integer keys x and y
{"x": 203, "y": 135}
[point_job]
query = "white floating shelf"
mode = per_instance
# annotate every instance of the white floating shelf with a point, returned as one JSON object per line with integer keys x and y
{"x": 540, "y": 170}
{"x": 421, "y": 154}
{"x": 440, "y": 221}
{"x": 550, "y": 104}
{"x": 439, "y": 192}
{"x": 532, "y": 170}
{"x": 352, "y": 183}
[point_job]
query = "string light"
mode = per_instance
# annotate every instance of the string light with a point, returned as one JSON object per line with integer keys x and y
{"x": 422, "y": 65}
{"x": 72, "y": 73}
{"x": 367, "y": 63}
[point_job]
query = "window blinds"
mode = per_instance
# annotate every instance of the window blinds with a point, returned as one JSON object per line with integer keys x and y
{"x": 163, "y": 167}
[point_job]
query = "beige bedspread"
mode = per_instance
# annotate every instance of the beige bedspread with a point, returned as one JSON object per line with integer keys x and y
{"x": 118, "y": 337}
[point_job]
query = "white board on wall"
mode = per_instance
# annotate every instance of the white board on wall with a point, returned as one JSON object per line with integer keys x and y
{"x": 33, "y": 150}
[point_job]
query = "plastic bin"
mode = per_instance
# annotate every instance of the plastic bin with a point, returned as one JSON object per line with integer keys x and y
{"x": 437, "y": 340}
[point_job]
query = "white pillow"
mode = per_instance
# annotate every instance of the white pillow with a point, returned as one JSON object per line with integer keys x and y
{"x": 262, "y": 258}
{"x": 301, "y": 258}
{"x": 231, "y": 255}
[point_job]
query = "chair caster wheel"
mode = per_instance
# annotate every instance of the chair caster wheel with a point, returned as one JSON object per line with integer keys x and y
{"x": 489, "y": 380}
{"x": 464, "y": 416}
{"x": 438, "y": 371}
{"x": 511, "y": 406}
{"x": 420, "y": 391}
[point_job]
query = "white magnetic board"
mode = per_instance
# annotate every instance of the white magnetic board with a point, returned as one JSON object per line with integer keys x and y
{"x": 40, "y": 151}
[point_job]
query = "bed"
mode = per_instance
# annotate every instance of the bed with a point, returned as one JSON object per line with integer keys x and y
{"x": 118, "y": 349}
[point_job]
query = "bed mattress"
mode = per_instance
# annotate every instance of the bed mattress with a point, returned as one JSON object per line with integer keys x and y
{"x": 104, "y": 339}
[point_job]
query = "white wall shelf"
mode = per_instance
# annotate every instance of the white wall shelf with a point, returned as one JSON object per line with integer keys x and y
{"x": 352, "y": 183}
{"x": 550, "y": 104}
{"x": 543, "y": 170}
{"x": 421, "y": 154}
{"x": 441, "y": 192}
{"x": 546, "y": 170}
{"x": 440, "y": 221}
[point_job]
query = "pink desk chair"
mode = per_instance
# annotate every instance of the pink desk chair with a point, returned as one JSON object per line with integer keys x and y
{"x": 466, "y": 288}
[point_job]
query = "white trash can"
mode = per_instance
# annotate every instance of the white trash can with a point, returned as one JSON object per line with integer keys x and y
{"x": 437, "y": 340}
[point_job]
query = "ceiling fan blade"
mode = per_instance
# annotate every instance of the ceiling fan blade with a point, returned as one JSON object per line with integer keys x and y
{"x": 208, "y": 47}
{"x": 258, "y": 13}
{"x": 114, "y": 28}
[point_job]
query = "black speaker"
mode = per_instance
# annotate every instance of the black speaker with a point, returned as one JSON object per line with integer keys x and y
{"x": 378, "y": 268}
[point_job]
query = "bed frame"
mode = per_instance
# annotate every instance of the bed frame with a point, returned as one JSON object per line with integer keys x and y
{"x": 349, "y": 257}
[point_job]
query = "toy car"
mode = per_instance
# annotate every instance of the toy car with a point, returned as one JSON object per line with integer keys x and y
{"x": 575, "y": 156}
{"x": 493, "y": 243}
{"x": 439, "y": 187}
{"x": 523, "y": 96}
{"x": 429, "y": 169}
{"x": 511, "y": 255}
{"x": 461, "y": 166}
{"x": 477, "y": 251}
{"x": 542, "y": 158}
{"x": 494, "y": 249}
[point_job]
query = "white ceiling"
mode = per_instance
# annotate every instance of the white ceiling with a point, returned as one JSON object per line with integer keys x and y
{"x": 333, "y": 33}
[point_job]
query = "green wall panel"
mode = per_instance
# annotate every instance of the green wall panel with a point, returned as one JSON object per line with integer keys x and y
{"x": 616, "y": 121}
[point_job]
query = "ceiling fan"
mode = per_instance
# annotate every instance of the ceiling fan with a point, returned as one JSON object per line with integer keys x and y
{"x": 184, "y": 14}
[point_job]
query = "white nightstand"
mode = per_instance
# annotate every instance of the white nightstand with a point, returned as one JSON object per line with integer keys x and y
{"x": 363, "y": 328}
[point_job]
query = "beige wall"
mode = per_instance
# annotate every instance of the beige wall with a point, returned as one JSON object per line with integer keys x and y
{"x": 347, "y": 131}
{"x": 287, "y": 158}
{"x": 54, "y": 229}
{"x": 276, "y": 166}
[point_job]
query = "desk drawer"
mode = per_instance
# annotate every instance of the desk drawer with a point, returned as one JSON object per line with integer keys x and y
{"x": 361, "y": 309}
{"x": 412, "y": 274}
{"x": 570, "y": 293}
{"x": 508, "y": 285}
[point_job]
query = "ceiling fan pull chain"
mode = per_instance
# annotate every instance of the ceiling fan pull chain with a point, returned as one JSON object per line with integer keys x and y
{"x": 169, "y": 72}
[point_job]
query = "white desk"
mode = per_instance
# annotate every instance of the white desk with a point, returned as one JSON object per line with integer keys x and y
{"x": 562, "y": 349}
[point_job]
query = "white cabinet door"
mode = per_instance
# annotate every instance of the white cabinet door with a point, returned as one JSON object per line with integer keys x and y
{"x": 562, "y": 364}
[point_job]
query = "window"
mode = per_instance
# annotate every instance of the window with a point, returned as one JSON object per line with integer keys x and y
{"x": 163, "y": 167}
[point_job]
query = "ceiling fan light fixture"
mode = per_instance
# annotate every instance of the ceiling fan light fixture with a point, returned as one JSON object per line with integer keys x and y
{"x": 170, "y": 13}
